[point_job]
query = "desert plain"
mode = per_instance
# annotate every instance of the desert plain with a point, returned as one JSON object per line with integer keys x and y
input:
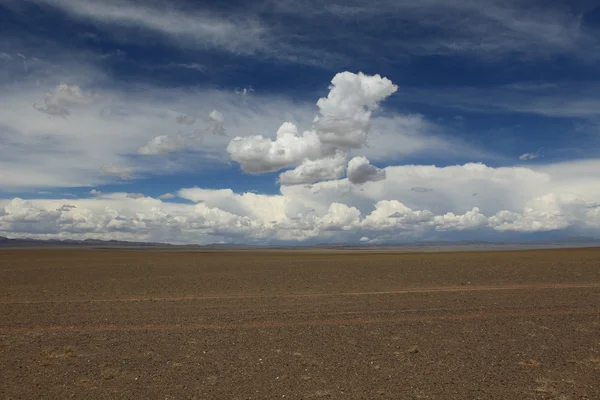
{"x": 299, "y": 324}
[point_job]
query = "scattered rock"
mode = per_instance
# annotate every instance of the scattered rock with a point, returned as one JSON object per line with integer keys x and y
{"x": 211, "y": 380}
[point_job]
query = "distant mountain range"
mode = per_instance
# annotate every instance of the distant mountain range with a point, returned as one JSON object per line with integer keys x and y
{"x": 6, "y": 242}
{"x": 458, "y": 245}
{"x": 96, "y": 243}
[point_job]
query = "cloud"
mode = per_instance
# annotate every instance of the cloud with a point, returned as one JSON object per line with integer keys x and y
{"x": 190, "y": 28}
{"x": 161, "y": 145}
{"x": 244, "y": 91}
{"x": 344, "y": 115}
{"x": 361, "y": 171}
{"x": 547, "y": 99}
{"x": 502, "y": 188}
{"x": 399, "y": 136}
{"x": 63, "y": 96}
{"x": 53, "y": 110}
{"x": 339, "y": 217}
{"x": 108, "y": 123}
{"x": 555, "y": 197}
{"x": 549, "y": 212}
{"x": 68, "y": 95}
{"x": 263, "y": 208}
{"x": 486, "y": 29}
{"x": 22, "y": 215}
{"x": 192, "y": 66}
{"x": 38, "y": 152}
{"x": 117, "y": 171}
{"x": 393, "y": 215}
{"x": 215, "y": 125}
{"x": 421, "y": 189}
{"x": 311, "y": 171}
{"x": 341, "y": 125}
{"x": 469, "y": 220}
{"x": 185, "y": 119}
{"x": 171, "y": 143}
{"x": 258, "y": 154}
{"x": 66, "y": 207}
{"x": 530, "y": 156}
{"x": 167, "y": 196}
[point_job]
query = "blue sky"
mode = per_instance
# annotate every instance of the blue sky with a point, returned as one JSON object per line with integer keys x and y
{"x": 438, "y": 120}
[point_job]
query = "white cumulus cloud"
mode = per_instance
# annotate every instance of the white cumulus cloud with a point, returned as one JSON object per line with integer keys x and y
{"x": 345, "y": 113}
{"x": 258, "y": 154}
{"x": 553, "y": 198}
{"x": 341, "y": 125}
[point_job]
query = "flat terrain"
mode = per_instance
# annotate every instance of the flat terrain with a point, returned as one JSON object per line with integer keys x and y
{"x": 299, "y": 325}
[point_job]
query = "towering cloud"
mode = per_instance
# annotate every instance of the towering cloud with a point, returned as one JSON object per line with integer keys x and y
{"x": 345, "y": 113}
{"x": 319, "y": 154}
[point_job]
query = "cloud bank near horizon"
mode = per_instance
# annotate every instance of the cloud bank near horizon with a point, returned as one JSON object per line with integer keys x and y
{"x": 515, "y": 199}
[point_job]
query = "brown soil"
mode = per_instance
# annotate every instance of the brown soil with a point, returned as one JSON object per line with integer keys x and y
{"x": 299, "y": 325}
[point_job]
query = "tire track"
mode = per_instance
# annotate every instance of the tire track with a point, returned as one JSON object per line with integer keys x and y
{"x": 362, "y": 320}
{"x": 442, "y": 289}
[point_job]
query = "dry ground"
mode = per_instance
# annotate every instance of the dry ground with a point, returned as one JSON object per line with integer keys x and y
{"x": 299, "y": 325}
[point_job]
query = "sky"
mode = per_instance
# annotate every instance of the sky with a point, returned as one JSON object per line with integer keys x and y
{"x": 299, "y": 122}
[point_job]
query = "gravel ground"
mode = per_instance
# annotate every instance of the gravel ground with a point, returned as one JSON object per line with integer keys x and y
{"x": 150, "y": 324}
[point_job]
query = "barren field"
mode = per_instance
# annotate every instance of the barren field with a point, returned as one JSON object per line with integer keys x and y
{"x": 155, "y": 324}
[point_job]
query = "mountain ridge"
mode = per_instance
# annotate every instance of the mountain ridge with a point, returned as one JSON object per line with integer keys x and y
{"x": 6, "y": 242}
